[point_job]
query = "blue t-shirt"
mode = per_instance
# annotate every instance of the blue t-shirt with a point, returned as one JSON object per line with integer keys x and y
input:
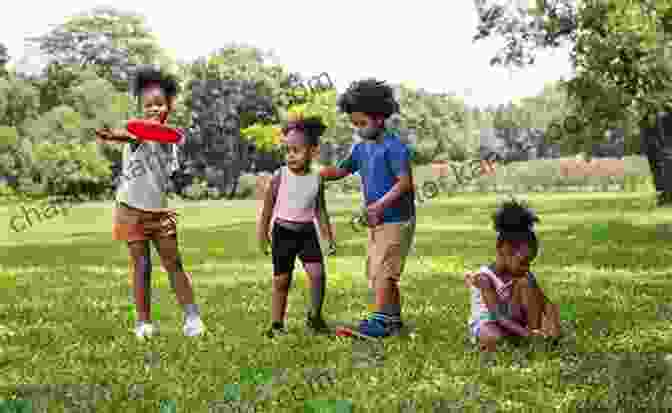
{"x": 379, "y": 165}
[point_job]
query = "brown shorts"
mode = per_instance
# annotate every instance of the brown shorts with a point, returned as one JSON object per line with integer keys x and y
{"x": 389, "y": 245}
{"x": 131, "y": 224}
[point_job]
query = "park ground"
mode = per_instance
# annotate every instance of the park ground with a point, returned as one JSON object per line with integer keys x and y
{"x": 605, "y": 256}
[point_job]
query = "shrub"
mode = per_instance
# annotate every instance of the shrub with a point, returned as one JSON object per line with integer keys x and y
{"x": 197, "y": 190}
{"x": 598, "y": 174}
{"x": 213, "y": 193}
{"x": 7, "y": 193}
{"x": 247, "y": 186}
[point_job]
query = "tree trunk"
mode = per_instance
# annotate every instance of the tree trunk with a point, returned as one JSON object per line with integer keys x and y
{"x": 657, "y": 147}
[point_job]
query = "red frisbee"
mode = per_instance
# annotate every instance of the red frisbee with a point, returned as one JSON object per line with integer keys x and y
{"x": 154, "y": 131}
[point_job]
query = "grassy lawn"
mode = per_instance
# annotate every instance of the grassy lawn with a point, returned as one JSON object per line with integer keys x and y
{"x": 64, "y": 315}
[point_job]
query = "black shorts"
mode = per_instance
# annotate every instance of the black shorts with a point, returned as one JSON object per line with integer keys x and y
{"x": 287, "y": 244}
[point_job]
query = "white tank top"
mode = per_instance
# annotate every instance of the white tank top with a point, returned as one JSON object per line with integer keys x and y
{"x": 297, "y": 197}
{"x": 145, "y": 175}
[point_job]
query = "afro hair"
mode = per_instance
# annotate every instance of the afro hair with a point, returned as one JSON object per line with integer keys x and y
{"x": 369, "y": 96}
{"x": 147, "y": 75}
{"x": 312, "y": 128}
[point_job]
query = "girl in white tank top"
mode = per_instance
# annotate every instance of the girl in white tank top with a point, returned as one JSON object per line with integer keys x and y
{"x": 294, "y": 207}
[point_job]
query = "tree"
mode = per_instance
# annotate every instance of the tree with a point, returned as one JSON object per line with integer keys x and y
{"x": 4, "y": 59}
{"x": 437, "y": 121}
{"x": 108, "y": 39}
{"x": 232, "y": 89}
{"x": 618, "y": 51}
{"x": 55, "y": 152}
{"x": 440, "y": 123}
{"x": 19, "y": 103}
{"x": 527, "y": 129}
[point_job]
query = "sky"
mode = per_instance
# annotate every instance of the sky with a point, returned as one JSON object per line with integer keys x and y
{"x": 426, "y": 43}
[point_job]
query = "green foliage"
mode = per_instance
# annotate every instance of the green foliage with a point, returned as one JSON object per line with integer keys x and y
{"x": 62, "y": 163}
{"x": 9, "y": 136}
{"x": 56, "y": 150}
{"x": 265, "y": 137}
{"x": 4, "y": 58}
{"x": 106, "y": 39}
{"x": 620, "y": 52}
{"x": 323, "y": 104}
{"x": 439, "y": 123}
{"x": 19, "y": 101}
{"x": 630, "y": 174}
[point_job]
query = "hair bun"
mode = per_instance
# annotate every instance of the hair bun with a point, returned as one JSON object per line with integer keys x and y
{"x": 147, "y": 74}
{"x": 514, "y": 217}
{"x": 314, "y": 126}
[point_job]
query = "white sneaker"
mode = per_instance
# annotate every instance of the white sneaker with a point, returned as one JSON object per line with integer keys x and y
{"x": 193, "y": 326}
{"x": 145, "y": 330}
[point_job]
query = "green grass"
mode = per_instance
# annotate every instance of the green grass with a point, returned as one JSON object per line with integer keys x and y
{"x": 63, "y": 319}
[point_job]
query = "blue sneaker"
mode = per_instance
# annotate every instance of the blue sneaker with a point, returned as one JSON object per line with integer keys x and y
{"x": 373, "y": 328}
{"x": 377, "y": 327}
{"x": 394, "y": 324}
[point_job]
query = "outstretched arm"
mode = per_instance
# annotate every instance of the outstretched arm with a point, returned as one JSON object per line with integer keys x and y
{"x": 333, "y": 173}
{"x": 323, "y": 216}
{"x": 114, "y": 135}
{"x": 346, "y": 167}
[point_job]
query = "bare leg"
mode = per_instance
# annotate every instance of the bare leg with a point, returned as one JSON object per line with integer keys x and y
{"x": 142, "y": 270}
{"x": 530, "y": 305}
{"x": 180, "y": 281}
{"x": 529, "y": 300}
{"x": 317, "y": 282}
{"x": 489, "y": 334}
{"x": 551, "y": 321}
{"x": 281, "y": 284}
{"x": 370, "y": 276}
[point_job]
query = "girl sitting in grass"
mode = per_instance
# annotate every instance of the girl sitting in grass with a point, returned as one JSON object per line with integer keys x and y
{"x": 506, "y": 299}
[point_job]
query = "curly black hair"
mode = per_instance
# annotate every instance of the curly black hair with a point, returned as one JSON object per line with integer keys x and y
{"x": 146, "y": 75}
{"x": 514, "y": 222}
{"x": 368, "y": 96}
{"x": 312, "y": 128}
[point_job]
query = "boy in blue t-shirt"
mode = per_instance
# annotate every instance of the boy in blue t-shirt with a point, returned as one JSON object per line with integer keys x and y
{"x": 383, "y": 163}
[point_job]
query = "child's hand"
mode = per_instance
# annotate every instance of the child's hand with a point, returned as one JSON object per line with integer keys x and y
{"x": 103, "y": 134}
{"x": 470, "y": 278}
{"x": 115, "y": 135}
{"x": 374, "y": 214}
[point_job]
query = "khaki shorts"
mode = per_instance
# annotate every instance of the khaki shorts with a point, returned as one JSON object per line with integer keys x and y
{"x": 131, "y": 224}
{"x": 389, "y": 246}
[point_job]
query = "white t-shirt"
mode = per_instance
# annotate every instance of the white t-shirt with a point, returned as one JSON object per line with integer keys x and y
{"x": 146, "y": 174}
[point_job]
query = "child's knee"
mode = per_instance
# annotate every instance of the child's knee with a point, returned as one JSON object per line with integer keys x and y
{"x": 387, "y": 282}
{"x": 281, "y": 282}
{"x": 172, "y": 264}
{"x": 488, "y": 342}
{"x": 314, "y": 269}
{"x": 552, "y": 312}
